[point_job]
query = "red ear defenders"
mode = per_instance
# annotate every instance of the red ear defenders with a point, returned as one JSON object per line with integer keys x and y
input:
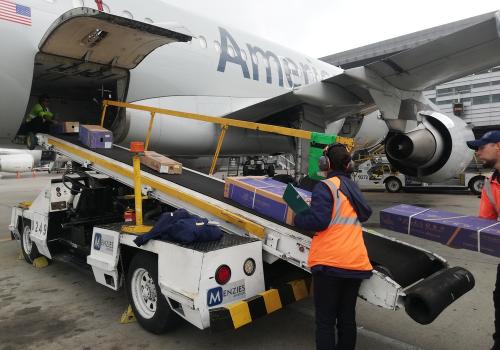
{"x": 324, "y": 160}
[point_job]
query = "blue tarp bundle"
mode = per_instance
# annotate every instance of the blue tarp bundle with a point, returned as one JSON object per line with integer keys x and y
{"x": 180, "y": 226}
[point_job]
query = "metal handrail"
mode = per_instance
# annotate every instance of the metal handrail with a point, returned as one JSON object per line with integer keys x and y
{"x": 225, "y": 123}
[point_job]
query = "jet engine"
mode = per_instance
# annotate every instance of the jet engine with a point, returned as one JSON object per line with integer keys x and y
{"x": 434, "y": 151}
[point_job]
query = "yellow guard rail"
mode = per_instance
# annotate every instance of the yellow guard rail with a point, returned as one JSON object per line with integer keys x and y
{"x": 225, "y": 123}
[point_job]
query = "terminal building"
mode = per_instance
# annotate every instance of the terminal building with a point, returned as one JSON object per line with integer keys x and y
{"x": 475, "y": 98}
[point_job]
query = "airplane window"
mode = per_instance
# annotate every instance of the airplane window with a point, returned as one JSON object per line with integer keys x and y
{"x": 78, "y": 3}
{"x": 217, "y": 46}
{"x": 203, "y": 42}
{"x": 231, "y": 51}
{"x": 243, "y": 54}
{"x": 127, "y": 14}
{"x": 148, "y": 20}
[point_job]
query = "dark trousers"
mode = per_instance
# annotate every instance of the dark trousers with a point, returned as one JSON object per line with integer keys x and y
{"x": 37, "y": 125}
{"x": 335, "y": 305}
{"x": 496, "y": 303}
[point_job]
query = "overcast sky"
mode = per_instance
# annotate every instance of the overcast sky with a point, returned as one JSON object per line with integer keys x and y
{"x": 322, "y": 27}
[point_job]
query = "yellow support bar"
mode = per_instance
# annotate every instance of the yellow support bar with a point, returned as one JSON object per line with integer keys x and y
{"x": 303, "y": 134}
{"x": 217, "y": 151}
{"x": 103, "y": 114}
{"x": 247, "y": 225}
{"x": 148, "y": 136}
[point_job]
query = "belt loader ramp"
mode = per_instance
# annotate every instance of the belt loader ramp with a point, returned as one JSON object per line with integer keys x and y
{"x": 218, "y": 284}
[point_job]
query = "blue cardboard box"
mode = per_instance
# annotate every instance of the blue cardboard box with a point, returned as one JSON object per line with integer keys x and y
{"x": 262, "y": 194}
{"x": 452, "y": 229}
{"x": 95, "y": 136}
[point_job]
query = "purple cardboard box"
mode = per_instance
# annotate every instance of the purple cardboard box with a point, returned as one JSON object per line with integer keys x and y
{"x": 264, "y": 195}
{"x": 454, "y": 230}
{"x": 396, "y": 218}
{"x": 95, "y": 136}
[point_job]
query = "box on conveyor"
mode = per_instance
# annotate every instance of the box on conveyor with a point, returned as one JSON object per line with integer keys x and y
{"x": 161, "y": 163}
{"x": 452, "y": 229}
{"x": 95, "y": 136}
{"x": 262, "y": 194}
{"x": 61, "y": 127}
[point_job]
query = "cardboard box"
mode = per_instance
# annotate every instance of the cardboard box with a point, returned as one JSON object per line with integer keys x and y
{"x": 65, "y": 127}
{"x": 161, "y": 163}
{"x": 95, "y": 136}
{"x": 262, "y": 194}
{"x": 452, "y": 229}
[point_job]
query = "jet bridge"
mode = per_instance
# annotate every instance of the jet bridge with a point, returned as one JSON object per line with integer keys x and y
{"x": 404, "y": 275}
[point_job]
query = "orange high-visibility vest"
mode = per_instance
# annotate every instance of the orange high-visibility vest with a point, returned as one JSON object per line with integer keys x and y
{"x": 341, "y": 244}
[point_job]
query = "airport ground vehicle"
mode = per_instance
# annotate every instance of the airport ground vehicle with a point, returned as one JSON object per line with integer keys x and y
{"x": 223, "y": 284}
{"x": 378, "y": 173}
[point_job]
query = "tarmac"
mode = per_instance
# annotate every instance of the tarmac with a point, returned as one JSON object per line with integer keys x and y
{"x": 59, "y": 307}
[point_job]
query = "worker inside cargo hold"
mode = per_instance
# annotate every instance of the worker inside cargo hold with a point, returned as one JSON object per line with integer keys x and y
{"x": 38, "y": 119}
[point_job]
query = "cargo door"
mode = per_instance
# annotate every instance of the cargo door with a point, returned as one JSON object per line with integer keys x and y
{"x": 92, "y": 36}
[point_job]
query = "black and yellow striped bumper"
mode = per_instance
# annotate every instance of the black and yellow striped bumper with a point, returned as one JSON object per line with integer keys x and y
{"x": 243, "y": 312}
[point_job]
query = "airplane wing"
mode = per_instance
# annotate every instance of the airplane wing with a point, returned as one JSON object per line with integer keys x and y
{"x": 455, "y": 55}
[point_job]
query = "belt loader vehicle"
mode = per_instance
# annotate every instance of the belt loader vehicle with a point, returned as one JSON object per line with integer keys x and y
{"x": 259, "y": 266}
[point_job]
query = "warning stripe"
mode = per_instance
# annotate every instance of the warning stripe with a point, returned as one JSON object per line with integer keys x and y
{"x": 243, "y": 312}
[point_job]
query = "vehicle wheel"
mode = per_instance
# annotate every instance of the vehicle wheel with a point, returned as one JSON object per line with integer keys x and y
{"x": 31, "y": 141}
{"x": 393, "y": 185}
{"x": 30, "y": 251}
{"x": 271, "y": 170}
{"x": 476, "y": 184}
{"x": 150, "y": 306}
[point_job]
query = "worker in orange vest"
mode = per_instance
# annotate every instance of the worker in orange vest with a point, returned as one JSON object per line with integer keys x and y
{"x": 488, "y": 150}
{"x": 338, "y": 258}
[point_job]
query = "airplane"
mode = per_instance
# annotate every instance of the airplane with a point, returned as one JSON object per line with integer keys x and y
{"x": 21, "y": 160}
{"x": 81, "y": 51}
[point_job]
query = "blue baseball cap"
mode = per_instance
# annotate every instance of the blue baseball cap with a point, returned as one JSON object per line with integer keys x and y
{"x": 490, "y": 137}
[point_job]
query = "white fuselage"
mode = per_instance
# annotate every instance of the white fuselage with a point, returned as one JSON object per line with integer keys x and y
{"x": 206, "y": 75}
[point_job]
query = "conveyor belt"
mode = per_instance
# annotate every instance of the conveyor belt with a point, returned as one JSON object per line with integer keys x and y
{"x": 404, "y": 264}
{"x": 194, "y": 181}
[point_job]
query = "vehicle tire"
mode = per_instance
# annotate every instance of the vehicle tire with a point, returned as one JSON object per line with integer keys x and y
{"x": 31, "y": 141}
{"x": 393, "y": 185}
{"x": 271, "y": 170}
{"x": 30, "y": 251}
{"x": 476, "y": 184}
{"x": 150, "y": 306}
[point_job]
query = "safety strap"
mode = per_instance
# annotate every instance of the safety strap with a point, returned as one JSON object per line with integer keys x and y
{"x": 411, "y": 217}
{"x": 479, "y": 235}
{"x": 489, "y": 194}
{"x": 337, "y": 219}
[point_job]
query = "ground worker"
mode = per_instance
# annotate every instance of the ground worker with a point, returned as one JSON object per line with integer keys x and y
{"x": 38, "y": 120}
{"x": 338, "y": 257}
{"x": 488, "y": 150}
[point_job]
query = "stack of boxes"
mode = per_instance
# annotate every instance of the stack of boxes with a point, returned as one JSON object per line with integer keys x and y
{"x": 454, "y": 230}
{"x": 262, "y": 194}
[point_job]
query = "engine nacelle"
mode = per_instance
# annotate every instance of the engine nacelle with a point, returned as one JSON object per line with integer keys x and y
{"x": 13, "y": 163}
{"x": 435, "y": 151}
